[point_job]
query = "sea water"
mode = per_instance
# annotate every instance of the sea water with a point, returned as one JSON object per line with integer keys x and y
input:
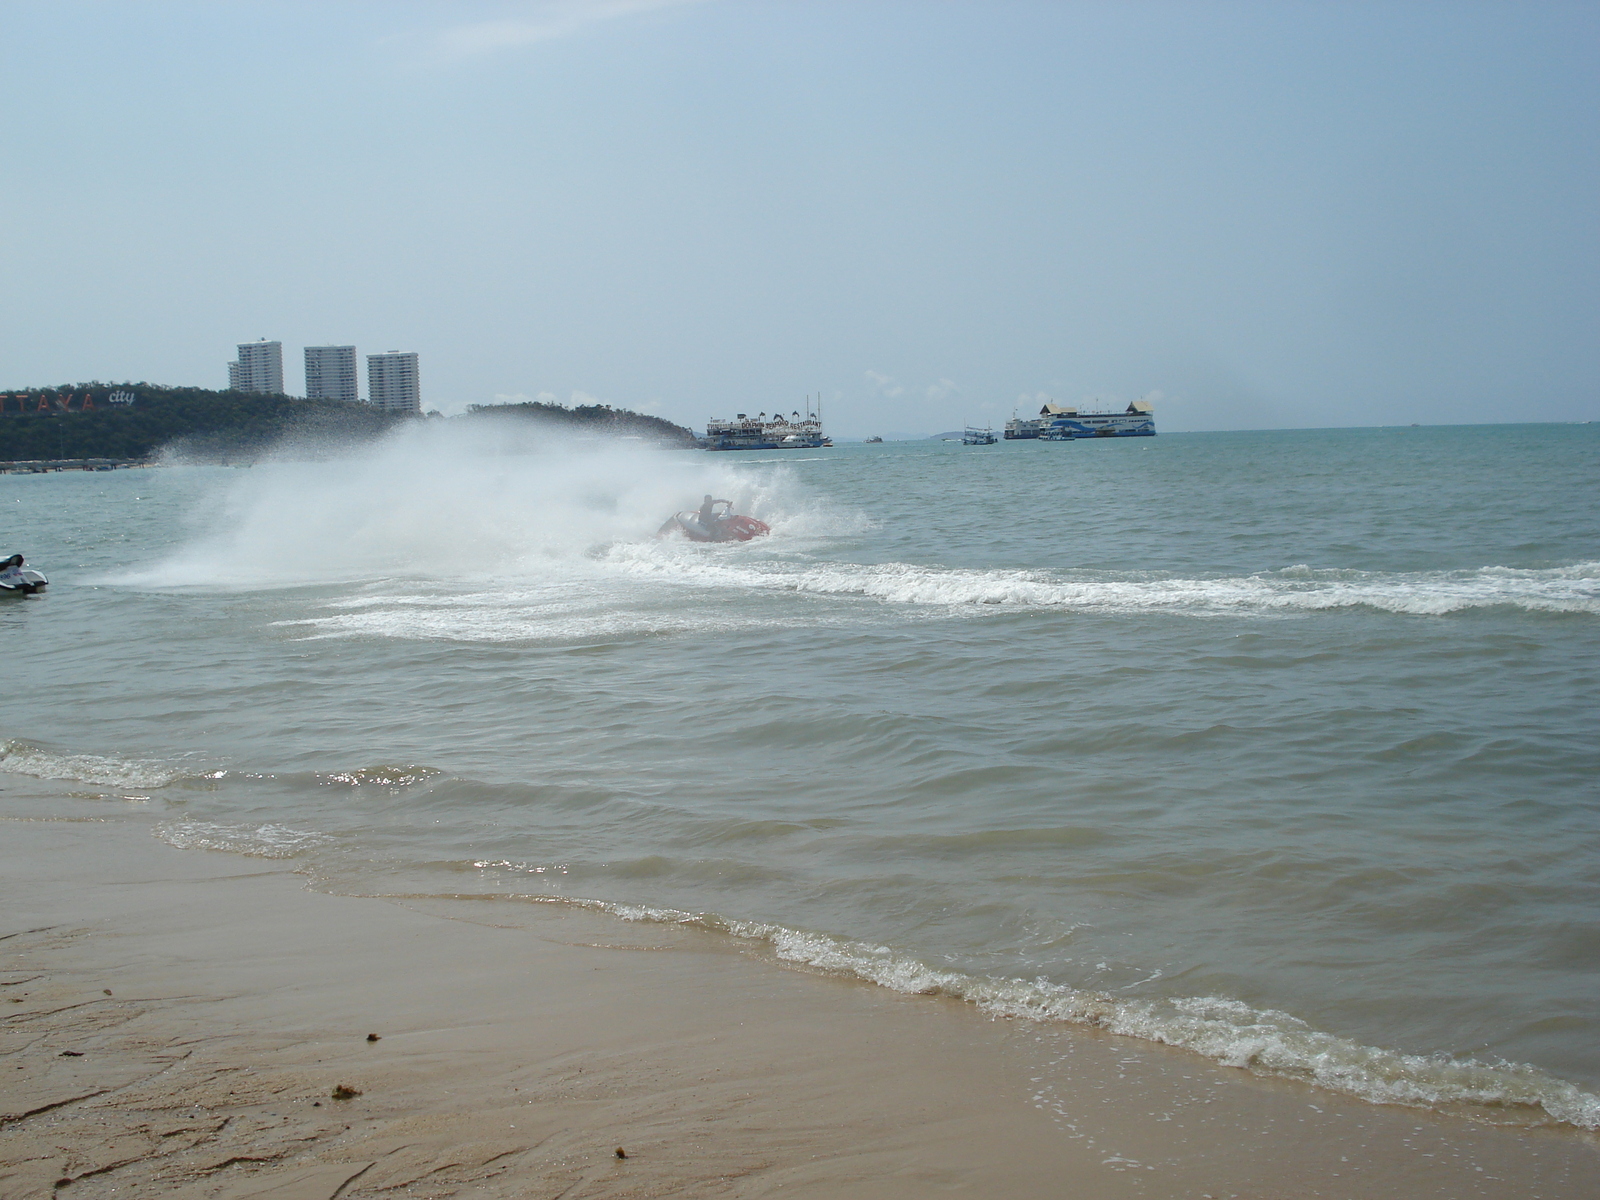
{"x": 1279, "y": 746}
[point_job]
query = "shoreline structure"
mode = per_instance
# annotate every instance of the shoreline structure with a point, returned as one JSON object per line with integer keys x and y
{"x": 195, "y": 1024}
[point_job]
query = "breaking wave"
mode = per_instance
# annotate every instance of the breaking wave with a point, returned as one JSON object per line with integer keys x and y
{"x": 633, "y": 588}
{"x": 257, "y": 841}
{"x": 1226, "y": 1031}
{"x": 1570, "y": 589}
{"x": 20, "y": 758}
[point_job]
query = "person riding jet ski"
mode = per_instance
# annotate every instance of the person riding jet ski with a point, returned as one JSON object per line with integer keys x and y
{"x": 714, "y": 521}
{"x": 15, "y": 580}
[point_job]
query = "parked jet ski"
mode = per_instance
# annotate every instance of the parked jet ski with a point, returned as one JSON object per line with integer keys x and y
{"x": 18, "y": 580}
{"x": 714, "y": 522}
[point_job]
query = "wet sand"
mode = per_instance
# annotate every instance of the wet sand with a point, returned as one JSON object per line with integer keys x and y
{"x": 178, "y": 1024}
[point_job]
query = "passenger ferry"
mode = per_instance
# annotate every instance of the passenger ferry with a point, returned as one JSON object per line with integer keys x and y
{"x": 763, "y": 432}
{"x": 1064, "y": 422}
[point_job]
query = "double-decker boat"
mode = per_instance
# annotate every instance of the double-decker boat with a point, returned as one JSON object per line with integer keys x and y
{"x": 1066, "y": 422}
{"x": 763, "y": 432}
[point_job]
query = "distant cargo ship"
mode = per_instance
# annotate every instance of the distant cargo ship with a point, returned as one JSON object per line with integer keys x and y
{"x": 1064, "y": 422}
{"x": 761, "y": 432}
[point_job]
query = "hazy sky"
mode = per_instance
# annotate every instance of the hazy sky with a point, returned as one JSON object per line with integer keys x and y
{"x": 932, "y": 212}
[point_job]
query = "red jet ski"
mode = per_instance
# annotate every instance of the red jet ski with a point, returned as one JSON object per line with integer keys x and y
{"x": 714, "y": 522}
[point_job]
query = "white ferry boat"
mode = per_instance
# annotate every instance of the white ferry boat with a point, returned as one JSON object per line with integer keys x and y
{"x": 763, "y": 432}
{"x": 1065, "y": 422}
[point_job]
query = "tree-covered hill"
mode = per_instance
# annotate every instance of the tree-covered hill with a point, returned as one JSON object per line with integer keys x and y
{"x": 206, "y": 424}
{"x": 592, "y": 418}
{"x": 140, "y": 420}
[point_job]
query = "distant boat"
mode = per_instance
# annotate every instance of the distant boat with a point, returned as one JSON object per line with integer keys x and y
{"x": 977, "y": 437}
{"x": 1064, "y": 423}
{"x": 761, "y": 432}
{"x": 872, "y": 441}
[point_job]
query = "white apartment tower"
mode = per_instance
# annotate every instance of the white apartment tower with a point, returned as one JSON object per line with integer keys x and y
{"x": 259, "y": 369}
{"x": 331, "y": 373}
{"x": 392, "y": 382}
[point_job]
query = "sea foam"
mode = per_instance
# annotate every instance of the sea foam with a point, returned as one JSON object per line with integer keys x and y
{"x": 1568, "y": 589}
{"x": 1226, "y": 1031}
{"x": 270, "y": 840}
{"x": 20, "y": 758}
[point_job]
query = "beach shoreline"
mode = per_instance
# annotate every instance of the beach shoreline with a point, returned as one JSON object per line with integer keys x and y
{"x": 178, "y": 1023}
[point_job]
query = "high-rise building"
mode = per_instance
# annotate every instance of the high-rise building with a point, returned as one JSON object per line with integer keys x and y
{"x": 331, "y": 373}
{"x": 259, "y": 369}
{"x": 392, "y": 382}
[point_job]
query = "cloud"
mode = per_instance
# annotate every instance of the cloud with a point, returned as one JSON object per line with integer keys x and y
{"x": 544, "y": 20}
{"x": 943, "y": 390}
{"x": 886, "y": 384}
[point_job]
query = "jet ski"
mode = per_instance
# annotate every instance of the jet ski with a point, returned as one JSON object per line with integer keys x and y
{"x": 18, "y": 580}
{"x": 718, "y": 524}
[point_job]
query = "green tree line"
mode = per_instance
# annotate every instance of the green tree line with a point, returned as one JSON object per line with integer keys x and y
{"x": 239, "y": 426}
{"x": 598, "y": 418}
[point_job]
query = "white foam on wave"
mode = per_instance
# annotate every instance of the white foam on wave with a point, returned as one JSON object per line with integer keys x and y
{"x": 19, "y": 758}
{"x": 1226, "y": 1031}
{"x": 1572, "y": 589}
{"x": 258, "y": 841}
{"x": 668, "y": 588}
{"x": 508, "y": 622}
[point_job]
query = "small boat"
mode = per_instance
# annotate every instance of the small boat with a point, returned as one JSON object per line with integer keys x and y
{"x": 977, "y": 437}
{"x": 18, "y": 580}
{"x": 718, "y": 524}
{"x": 874, "y": 441}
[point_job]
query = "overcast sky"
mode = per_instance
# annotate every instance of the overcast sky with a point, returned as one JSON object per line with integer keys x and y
{"x": 931, "y": 212}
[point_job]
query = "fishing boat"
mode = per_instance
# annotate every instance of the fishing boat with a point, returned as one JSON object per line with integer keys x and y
{"x": 977, "y": 437}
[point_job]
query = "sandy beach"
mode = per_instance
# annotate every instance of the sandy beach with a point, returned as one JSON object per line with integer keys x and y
{"x": 195, "y": 1024}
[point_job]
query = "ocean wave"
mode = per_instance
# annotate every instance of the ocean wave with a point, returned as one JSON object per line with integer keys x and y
{"x": 1226, "y": 1031}
{"x": 390, "y": 775}
{"x": 257, "y": 841}
{"x": 511, "y": 622}
{"x": 1572, "y": 589}
{"x": 20, "y": 758}
{"x": 667, "y": 592}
